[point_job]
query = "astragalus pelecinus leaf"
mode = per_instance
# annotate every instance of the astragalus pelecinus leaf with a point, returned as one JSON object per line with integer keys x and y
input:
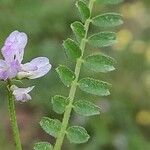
{"x": 96, "y": 62}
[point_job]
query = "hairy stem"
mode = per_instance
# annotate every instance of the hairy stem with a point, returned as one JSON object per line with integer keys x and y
{"x": 13, "y": 120}
{"x": 65, "y": 121}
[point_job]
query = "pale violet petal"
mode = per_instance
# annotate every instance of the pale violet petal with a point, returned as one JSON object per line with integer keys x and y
{"x": 8, "y": 70}
{"x": 21, "y": 94}
{"x": 28, "y": 67}
{"x": 14, "y": 68}
{"x": 37, "y": 68}
{"x": 40, "y": 72}
{"x": 23, "y": 90}
{"x": 11, "y": 38}
{"x": 40, "y": 61}
{"x": 23, "y": 97}
{"x": 35, "y": 64}
{"x": 3, "y": 70}
{"x": 13, "y": 48}
{"x": 3, "y": 64}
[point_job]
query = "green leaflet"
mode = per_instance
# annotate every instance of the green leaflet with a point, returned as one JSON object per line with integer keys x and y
{"x": 102, "y": 39}
{"x": 77, "y": 134}
{"x": 83, "y": 10}
{"x": 50, "y": 126}
{"x": 99, "y": 63}
{"x": 86, "y": 108}
{"x": 78, "y": 29}
{"x": 110, "y": 1}
{"x": 72, "y": 49}
{"x": 43, "y": 146}
{"x": 94, "y": 86}
{"x": 59, "y": 103}
{"x": 108, "y": 20}
{"x": 65, "y": 74}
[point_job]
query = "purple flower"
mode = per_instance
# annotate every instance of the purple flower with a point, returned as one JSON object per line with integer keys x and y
{"x": 13, "y": 52}
{"x": 11, "y": 66}
{"x": 21, "y": 94}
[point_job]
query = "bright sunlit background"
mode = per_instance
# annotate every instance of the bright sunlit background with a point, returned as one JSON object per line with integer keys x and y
{"x": 124, "y": 123}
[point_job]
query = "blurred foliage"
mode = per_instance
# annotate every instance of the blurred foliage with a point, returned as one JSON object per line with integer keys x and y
{"x": 124, "y": 123}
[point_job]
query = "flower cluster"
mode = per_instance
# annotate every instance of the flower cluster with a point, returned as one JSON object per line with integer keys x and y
{"x": 12, "y": 67}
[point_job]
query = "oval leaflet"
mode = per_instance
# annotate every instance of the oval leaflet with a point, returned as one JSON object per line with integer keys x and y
{"x": 102, "y": 39}
{"x": 86, "y": 108}
{"x": 43, "y": 146}
{"x": 99, "y": 63}
{"x": 50, "y": 126}
{"x": 77, "y": 134}
{"x": 108, "y": 20}
{"x": 94, "y": 87}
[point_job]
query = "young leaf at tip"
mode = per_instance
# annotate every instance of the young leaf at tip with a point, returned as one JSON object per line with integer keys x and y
{"x": 108, "y": 20}
{"x": 77, "y": 134}
{"x": 43, "y": 146}
{"x": 59, "y": 103}
{"x": 86, "y": 108}
{"x": 99, "y": 63}
{"x": 94, "y": 86}
{"x": 65, "y": 74}
{"x": 102, "y": 39}
{"x": 72, "y": 49}
{"x": 83, "y": 10}
{"x": 78, "y": 30}
{"x": 50, "y": 126}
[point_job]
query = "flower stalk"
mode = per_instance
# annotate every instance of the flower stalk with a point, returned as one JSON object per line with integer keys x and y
{"x": 13, "y": 119}
{"x": 66, "y": 117}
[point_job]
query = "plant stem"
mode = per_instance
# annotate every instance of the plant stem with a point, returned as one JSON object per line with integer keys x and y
{"x": 66, "y": 117}
{"x": 13, "y": 120}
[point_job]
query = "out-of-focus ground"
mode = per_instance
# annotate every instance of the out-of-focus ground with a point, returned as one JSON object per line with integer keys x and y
{"x": 124, "y": 123}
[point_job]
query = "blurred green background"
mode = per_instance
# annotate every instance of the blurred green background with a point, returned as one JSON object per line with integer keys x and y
{"x": 124, "y": 123}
